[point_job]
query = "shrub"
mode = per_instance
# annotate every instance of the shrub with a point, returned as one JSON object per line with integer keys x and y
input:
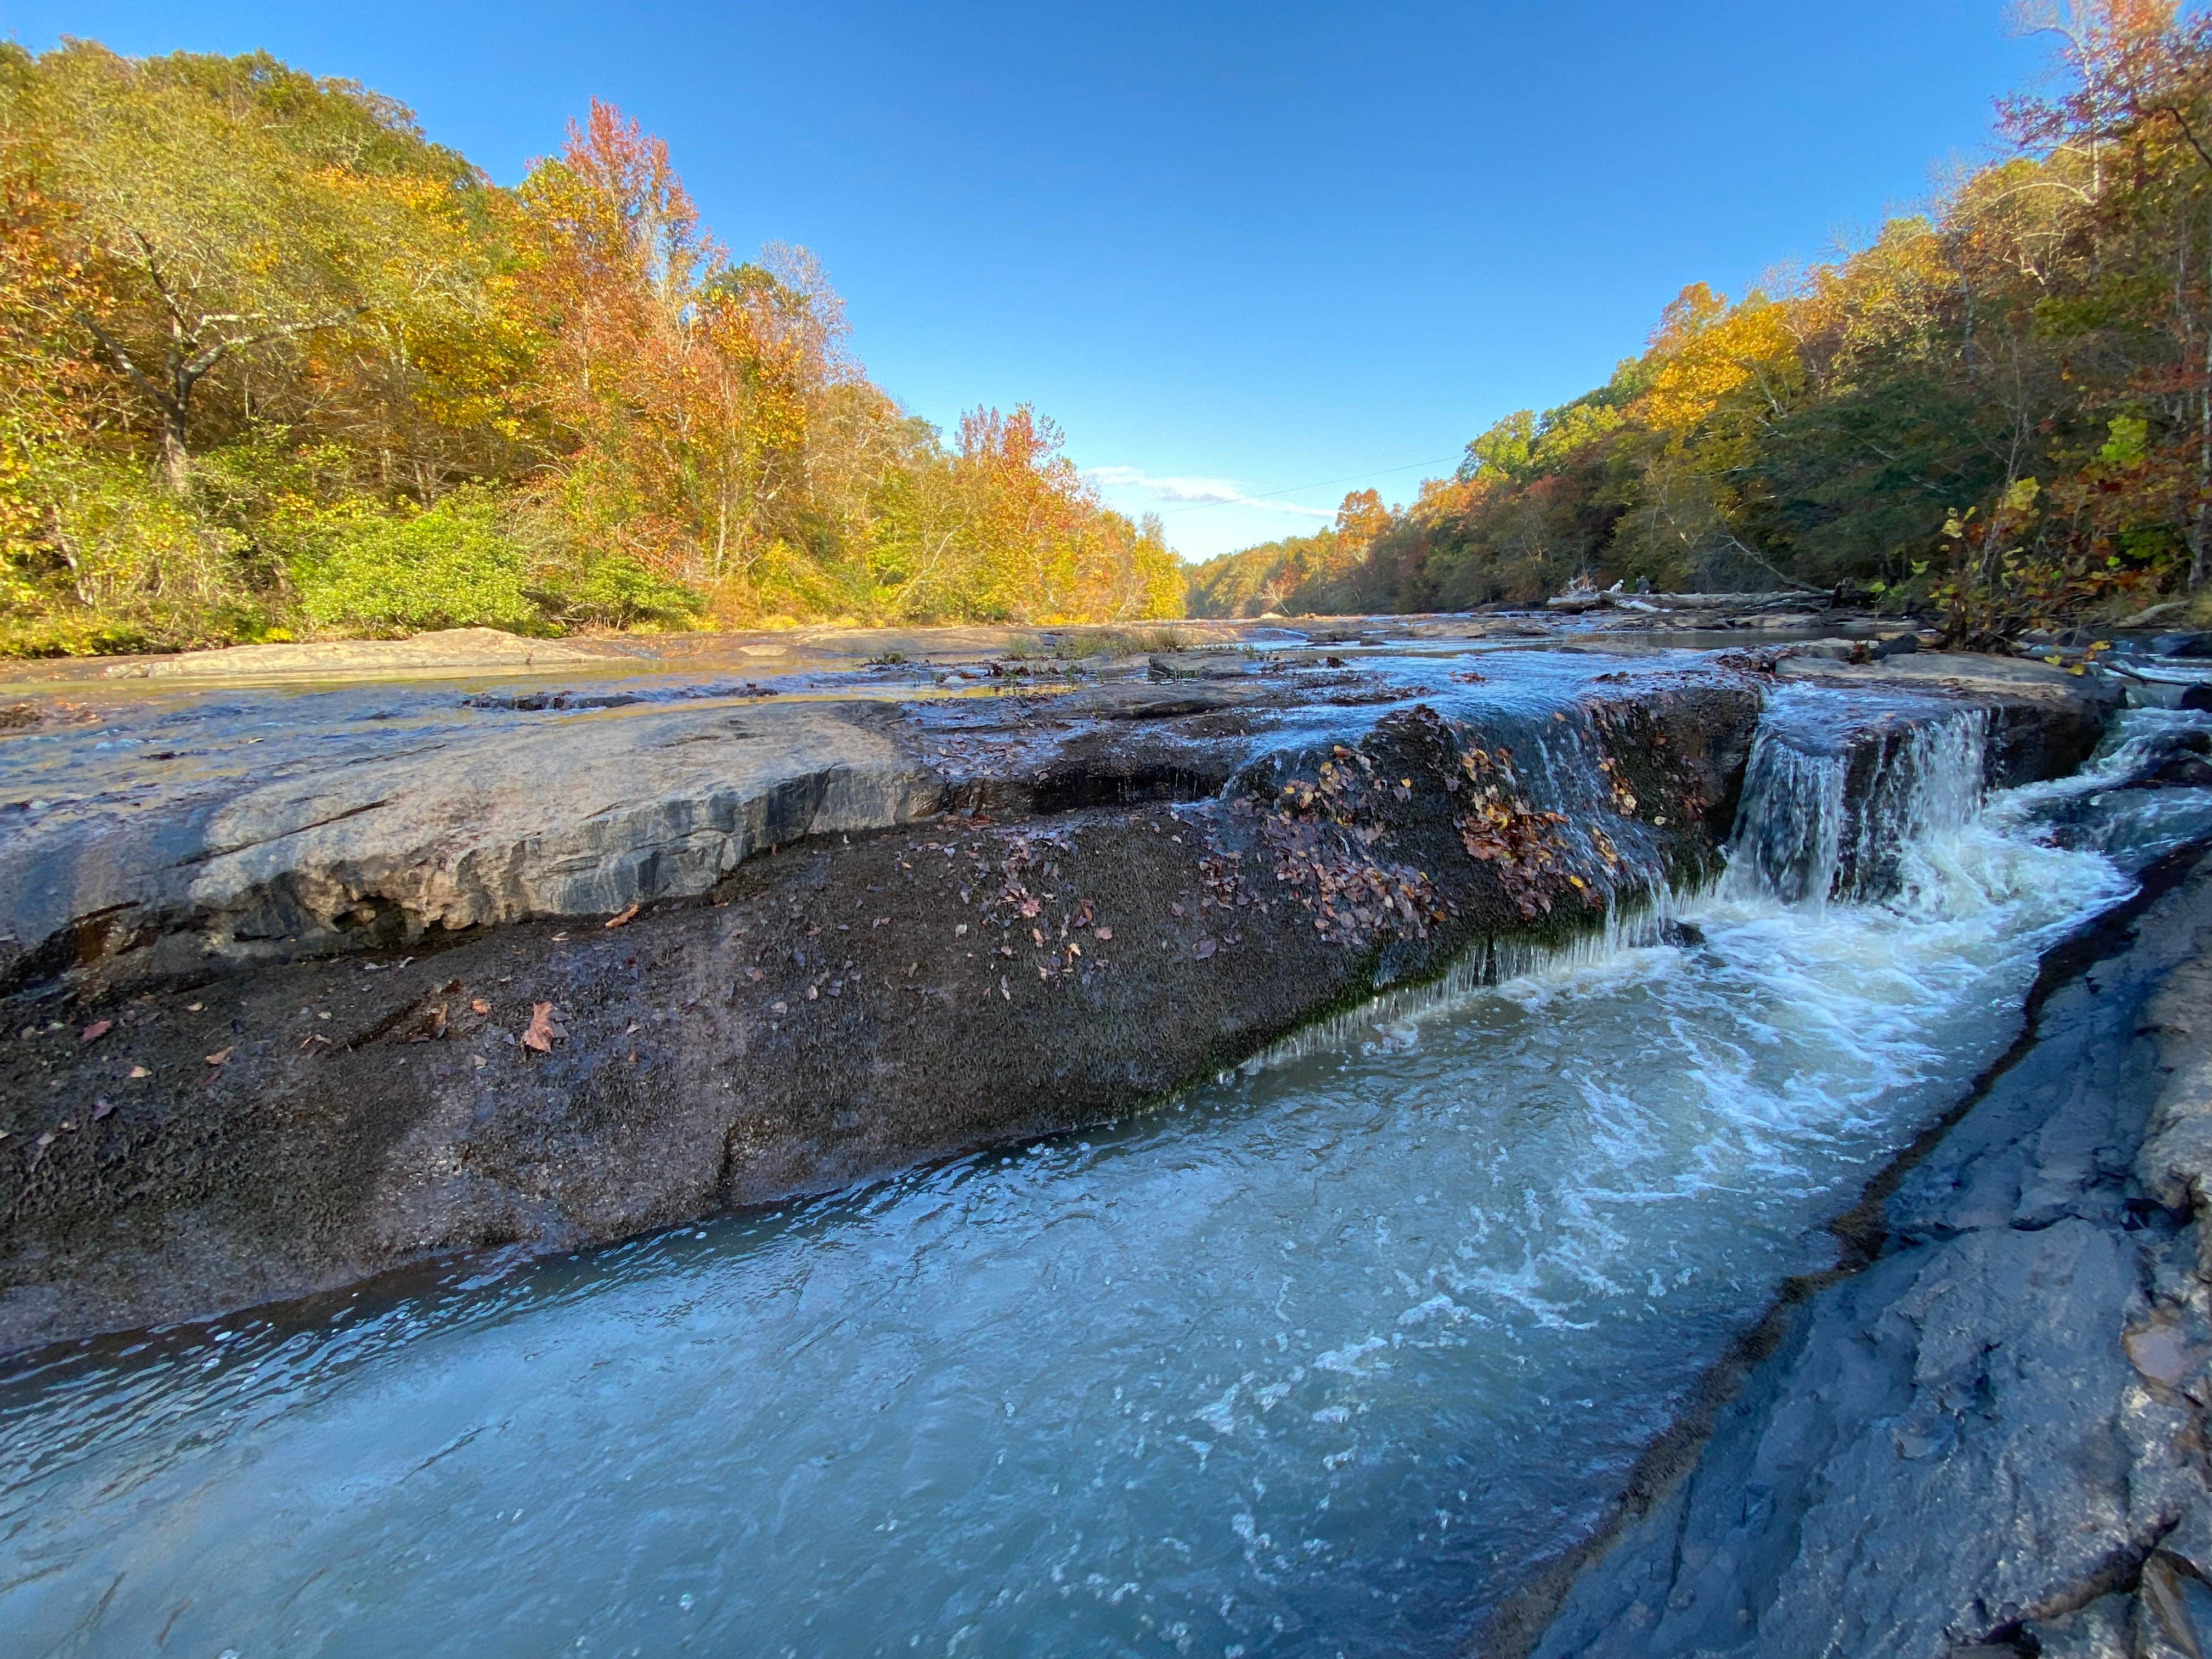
{"x": 451, "y": 565}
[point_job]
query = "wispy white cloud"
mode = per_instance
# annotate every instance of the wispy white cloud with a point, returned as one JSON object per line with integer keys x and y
{"x": 1194, "y": 492}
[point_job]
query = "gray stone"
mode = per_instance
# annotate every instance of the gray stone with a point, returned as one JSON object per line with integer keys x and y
{"x": 574, "y": 815}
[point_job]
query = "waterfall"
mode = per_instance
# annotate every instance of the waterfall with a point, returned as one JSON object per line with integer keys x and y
{"x": 1829, "y": 812}
{"x": 1789, "y": 837}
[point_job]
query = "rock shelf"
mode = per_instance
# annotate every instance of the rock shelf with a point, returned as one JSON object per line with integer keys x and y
{"x": 315, "y": 981}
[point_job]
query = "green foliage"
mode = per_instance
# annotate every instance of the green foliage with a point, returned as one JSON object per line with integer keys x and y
{"x": 613, "y": 590}
{"x": 1291, "y": 577}
{"x": 451, "y": 565}
{"x": 476, "y": 558}
{"x": 270, "y": 360}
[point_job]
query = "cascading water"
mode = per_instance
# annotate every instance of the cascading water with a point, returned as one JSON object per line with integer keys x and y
{"x": 1322, "y": 1359}
{"x": 1804, "y": 834}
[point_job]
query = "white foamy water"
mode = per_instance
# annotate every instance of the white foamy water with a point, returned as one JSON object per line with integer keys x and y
{"x": 1319, "y": 1360}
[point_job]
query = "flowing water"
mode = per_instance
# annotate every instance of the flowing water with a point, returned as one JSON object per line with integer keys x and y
{"x": 1320, "y": 1360}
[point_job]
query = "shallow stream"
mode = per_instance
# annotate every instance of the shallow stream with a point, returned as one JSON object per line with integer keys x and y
{"x": 1320, "y": 1360}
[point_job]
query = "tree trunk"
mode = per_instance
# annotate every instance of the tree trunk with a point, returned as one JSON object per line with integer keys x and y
{"x": 2200, "y": 524}
{"x": 176, "y": 460}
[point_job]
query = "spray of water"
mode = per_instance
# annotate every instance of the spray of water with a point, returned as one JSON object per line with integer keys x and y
{"x": 1833, "y": 814}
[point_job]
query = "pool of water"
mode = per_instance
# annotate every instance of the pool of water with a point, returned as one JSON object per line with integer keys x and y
{"x": 1322, "y": 1359}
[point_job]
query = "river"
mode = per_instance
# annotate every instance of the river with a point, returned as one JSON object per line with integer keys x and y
{"x": 1321, "y": 1358}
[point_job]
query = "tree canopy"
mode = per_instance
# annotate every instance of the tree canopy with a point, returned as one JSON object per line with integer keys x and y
{"x": 2000, "y": 409}
{"x": 271, "y": 361}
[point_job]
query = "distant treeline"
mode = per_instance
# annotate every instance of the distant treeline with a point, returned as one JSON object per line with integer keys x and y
{"x": 272, "y": 361}
{"x": 2000, "y": 410}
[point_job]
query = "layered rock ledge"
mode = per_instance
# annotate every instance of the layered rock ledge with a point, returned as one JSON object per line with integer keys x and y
{"x": 312, "y": 981}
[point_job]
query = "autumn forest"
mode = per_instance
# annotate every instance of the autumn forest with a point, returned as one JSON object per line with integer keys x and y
{"x": 273, "y": 364}
{"x": 1998, "y": 412}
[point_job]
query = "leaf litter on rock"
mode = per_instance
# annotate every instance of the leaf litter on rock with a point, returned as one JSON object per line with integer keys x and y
{"x": 542, "y": 1030}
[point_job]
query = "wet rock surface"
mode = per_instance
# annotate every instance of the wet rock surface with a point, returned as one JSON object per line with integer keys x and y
{"x": 1992, "y": 1440}
{"x": 2045, "y": 718}
{"x": 312, "y": 984}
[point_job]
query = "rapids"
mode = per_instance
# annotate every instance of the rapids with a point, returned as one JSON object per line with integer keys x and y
{"x": 1321, "y": 1358}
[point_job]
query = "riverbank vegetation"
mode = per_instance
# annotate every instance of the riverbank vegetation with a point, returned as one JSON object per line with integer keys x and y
{"x": 2000, "y": 409}
{"x": 271, "y": 362}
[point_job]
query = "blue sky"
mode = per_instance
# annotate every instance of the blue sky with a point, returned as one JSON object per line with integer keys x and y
{"x": 1279, "y": 250}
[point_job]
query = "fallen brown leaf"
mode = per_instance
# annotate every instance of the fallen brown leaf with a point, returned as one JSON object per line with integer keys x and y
{"x": 97, "y": 1029}
{"x": 540, "y": 1032}
{"x": 1205, "y": 948}
{"x": 220, "y": 1055}
{"x": 617, "y": 921}
{"x": 478, "y": 1005}
{"x": 1101, "y": 932}
{"x": 139, "y": 1072}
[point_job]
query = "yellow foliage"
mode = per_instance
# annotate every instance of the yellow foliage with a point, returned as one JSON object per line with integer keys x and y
{"x": 1708, "y": 357}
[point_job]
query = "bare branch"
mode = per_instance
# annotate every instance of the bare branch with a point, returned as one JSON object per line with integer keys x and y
{"x": 189, "y": 373}
{"x": 121, "y": 358}
{"x": 176, "y": 311}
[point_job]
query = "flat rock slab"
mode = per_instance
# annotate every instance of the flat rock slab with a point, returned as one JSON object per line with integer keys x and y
{"x": 2046, "y": 720}
{"x": 160, "y": 830}
{"x": 478, "y": 650}
{"x": 577, "y": 813}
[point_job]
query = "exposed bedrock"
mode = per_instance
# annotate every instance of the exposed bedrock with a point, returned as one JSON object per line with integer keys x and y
{"x": 1992, "y": 1441}
{"x": 871, "y": 933}
{"x": 591, "y": 812}
{"x": 2044, "y": 720}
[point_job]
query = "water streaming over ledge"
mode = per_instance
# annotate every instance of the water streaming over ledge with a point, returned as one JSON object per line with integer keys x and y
{"x": 1318, "y": 1361}
{"x": 1802, "y": 834}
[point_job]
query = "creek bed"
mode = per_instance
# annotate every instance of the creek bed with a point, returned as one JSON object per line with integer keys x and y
{"x": 1323, "y": 1357}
